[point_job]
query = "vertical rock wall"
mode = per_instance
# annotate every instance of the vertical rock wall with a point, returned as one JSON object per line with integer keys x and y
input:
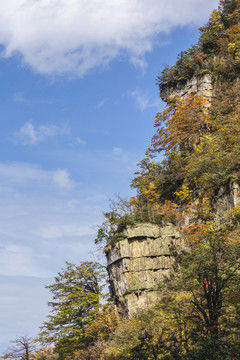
{"x": 150, "y": 253}
{"x": 201, "y": 86}
{"x": 227, "y": 199}
{"x": 139, "y": 263}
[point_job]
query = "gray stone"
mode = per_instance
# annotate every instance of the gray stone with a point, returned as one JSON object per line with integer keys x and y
{"x": 198, "y": 85}
{"x": 139, "y": 263}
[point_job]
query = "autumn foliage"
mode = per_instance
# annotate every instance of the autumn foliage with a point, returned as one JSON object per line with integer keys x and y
{"x": 194, "y": 158}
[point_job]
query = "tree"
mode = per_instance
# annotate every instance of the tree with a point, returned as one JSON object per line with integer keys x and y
{"x": 44, "y": 354}
{"x": 76, "y": 295}
{"x": 197, "y": 316}
{"x": 21, "y": 349}
{"x": 210, "y": 277}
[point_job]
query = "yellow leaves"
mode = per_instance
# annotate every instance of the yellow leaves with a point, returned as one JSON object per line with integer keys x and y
{"x": 186, "y": 121}
{"x": 133, "y": 201}
{"x": 234, "y": 215}
{"x": 103, "y": 323}
{"x": 183, "y": 296}
{"x": 150, "y": 192}
{"x": 216, "y": 22}
{"x": 234, "y": 237}
{"x": 169, "y": 210}
{"x": 234, "y": 50}
{"x": 184, "y": 193}
{"x": 232, "y": 47}
{"x": 44, "y": 353}
{"x": 234, "y": 41}
{"x": 199, "y": 147}
{"x": 196, "y": 231}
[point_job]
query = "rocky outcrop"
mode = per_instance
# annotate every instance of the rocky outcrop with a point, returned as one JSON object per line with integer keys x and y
{"x": 139, "y": 263}
{"x": 150, "y": 254}
{"x": 227, "y": 199}
{"x": 199, "y": 85}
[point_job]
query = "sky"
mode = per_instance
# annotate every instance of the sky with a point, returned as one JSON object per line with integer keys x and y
{"x": 78, "y": 98}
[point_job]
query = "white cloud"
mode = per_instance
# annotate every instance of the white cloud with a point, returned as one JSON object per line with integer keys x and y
{"x": 65, "y": 231}
{"x": 125, "y": 158}
{"x": 144, "y": 101}
{"x": 62, "y": 179}
{"x": 21, "y": 174}
{"x": 32, "y": 135}
{"x": 117, "y": 151}
{"x": 18, "y": 260}
{"x": 74, "y": 36}
{"x": 102, "y": 103}
{"x": 20, "y": 98}
{"x": 80, "y": 141}
{"x": 38, "y": 232}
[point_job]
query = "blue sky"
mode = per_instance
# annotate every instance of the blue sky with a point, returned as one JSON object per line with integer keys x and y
{"x": 77, "y": 106}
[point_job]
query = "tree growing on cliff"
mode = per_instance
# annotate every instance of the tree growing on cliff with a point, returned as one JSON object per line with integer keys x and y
{"x": 76, "y": 296}
{"x": 198, "y": 317}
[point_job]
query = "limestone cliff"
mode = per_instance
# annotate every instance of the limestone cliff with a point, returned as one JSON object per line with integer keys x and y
{"x": 199, "y": 85}
{"x": 138, "y": 264}
{"x": 151, "y": 253}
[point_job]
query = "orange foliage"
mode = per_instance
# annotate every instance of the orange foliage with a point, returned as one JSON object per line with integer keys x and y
{"x": 186, "y": 119}
{"x": 195, "y": 232}
{"x": 169, "y": 211}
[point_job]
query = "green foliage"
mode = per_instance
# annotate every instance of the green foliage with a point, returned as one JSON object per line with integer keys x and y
{"x": 76, "y": 296}
{"x": 199, "y": 137}
{"x": 217, "y": 52}
{"x": 190, "y": 62}
{"x": 111, "y": 230}
{"x": 198, "y": 315}
{"x": 201, "y": 146}
{"x": 126, "y": 213}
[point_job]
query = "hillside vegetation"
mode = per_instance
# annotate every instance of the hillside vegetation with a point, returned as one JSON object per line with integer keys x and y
{"x": 198, "y": 315}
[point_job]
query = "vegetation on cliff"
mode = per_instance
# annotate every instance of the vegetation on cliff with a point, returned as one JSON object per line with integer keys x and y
{"x": 217, "y": 51}
{"x": 198, "y": 315}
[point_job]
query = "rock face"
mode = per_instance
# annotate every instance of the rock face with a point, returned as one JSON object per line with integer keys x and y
{"x": 198, "y": 85}
{"x": 150, "y": 253}
{"x": 139, "y": 263}
{"x": 228, "y": 198}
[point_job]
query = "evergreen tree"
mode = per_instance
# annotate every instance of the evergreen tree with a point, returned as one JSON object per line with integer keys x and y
{"x": 76, "y": 295}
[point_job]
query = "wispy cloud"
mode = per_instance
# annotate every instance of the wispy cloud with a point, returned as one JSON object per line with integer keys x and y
{"x": 21, "y": 98}
{"x": 64, "y": 231}
{"x": 62, "y": 179}
{"x": 32, "y": 135}
{"x": 78, "y": 140}
{"x": 21, "y": 174}
{"x": 127, "y": 159}
{"x": 56, "y": 37}
{"x": 117, "y": 151}
{"x": 17, "y": 260}
{"x": 102, "y": 103}
{"x": 144, "y": 101}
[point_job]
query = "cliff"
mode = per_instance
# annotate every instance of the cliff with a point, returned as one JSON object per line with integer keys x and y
{"x": 151, "y": 253}
{"x": 201, "y": 85}
{"x": 138, "y": 264}
{"x": 188, "y": 264}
